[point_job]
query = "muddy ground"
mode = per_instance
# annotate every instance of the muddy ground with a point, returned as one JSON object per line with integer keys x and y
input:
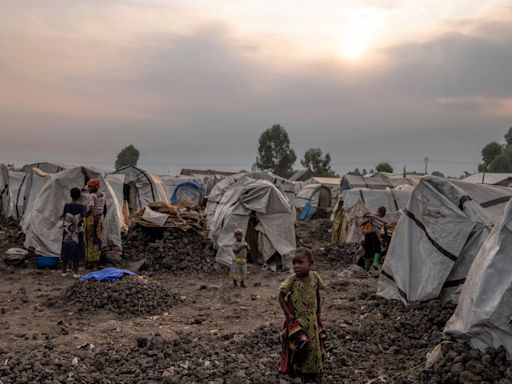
{"x": 219, "y": 334}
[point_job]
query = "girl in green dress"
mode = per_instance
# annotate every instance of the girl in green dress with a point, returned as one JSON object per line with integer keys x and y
{"x": 299, "y": 296}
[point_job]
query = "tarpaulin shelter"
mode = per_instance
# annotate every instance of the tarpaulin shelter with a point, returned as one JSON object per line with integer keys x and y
{"x": 334, "y": 185}
{"x": 484, "y": 311}
{"x": 378, "y": 181}
{"x": 355, "y": 203}
{"x": 316, "y": 195}
{"x": 437, "y": 238}
{"x": 142, "y": 187}
{"x": 42, "y": 224}
{"x": 261, "y": 210}
{"x": 26, "y": 184}
{"x": 188, "y": 194}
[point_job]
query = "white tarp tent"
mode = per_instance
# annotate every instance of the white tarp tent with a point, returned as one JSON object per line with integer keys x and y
{"x": 316, "y": 195}
{"x": 142, "y": 188}
{"x": 355, "y": 203}
{"x": 233, "y": 205}
{"x": 484, "y": 312}
{"x": 437, "y": 239}
{"x": 42, "y": 225}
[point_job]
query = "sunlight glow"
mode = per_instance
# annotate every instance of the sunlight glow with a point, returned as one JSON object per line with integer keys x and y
{"x": 353, "y": 49}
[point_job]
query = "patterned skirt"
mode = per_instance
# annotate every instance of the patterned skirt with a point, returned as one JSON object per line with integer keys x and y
{"x": 94, "y": 237}
{"x": 239, "y": 269}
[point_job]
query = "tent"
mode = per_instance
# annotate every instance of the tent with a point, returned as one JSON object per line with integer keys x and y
{"x": 355, "y": 203}
{"x": 333, "y": 183}
{"x": 261, "y": 210}
{"x": 317, "y": 195}
{"x": 26, "y": 184}
{"x": 188, "y": 194}
{"x": 484, "y": 311}
{"x": 142, "y": 187}
{"x": 378, "y": 181}
{"x": 504, "y": 179}
{"x": 437, "y": 238}
{"x": 42, "y": 225}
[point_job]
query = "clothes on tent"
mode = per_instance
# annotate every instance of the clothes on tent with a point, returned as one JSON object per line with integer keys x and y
{"x": 302, "y": 298}
{"x": 73, "y": 242}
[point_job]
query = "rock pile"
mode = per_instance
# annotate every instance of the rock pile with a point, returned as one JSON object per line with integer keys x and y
{"x": 339, "y": 256}
{"x": 170, "y": 249}
{"x": 10, "y": 235}
{"x": 313, "y": 234}
{"x": 130, "y": 296}
{"x": 459, "y": 363}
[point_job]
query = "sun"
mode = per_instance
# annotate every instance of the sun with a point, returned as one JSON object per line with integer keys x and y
{"x": 354, "y": 49}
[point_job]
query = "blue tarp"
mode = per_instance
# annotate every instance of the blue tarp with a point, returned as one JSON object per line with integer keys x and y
{"x": 307, "y": 212}
{"x": 107, "y": 274}
{"x": 192, "y": 189}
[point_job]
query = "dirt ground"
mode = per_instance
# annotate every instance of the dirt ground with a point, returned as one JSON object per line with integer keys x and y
{"x": 372, "y": 341}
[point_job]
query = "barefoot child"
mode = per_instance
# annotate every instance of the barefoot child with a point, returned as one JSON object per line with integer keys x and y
{"x": 299, "y": 296}
{"x": 73, "y": 245}
{"x": 239, "y": 265}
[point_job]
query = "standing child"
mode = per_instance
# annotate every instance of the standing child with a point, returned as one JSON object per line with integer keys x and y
{"x": 299, "y": 296}
{"x": 239, "y": 265}
{"x": 73, "y": 245}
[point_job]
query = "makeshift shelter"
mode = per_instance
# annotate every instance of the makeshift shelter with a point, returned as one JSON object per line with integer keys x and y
{"x": 503, "y": 179}
{"x": 26, "y": 185}
{"x": 261, "y": 210}
{"x": 436, "y": 240}
{"x": 188, "y": 194}
{"x": 355, "y": 203}
{"x": 42, "y": 225}
{"x": 378, "y": 181}
{"x": 484, "y": 311}
{"x": 142, "y": 187}
{"x": 316, "y": 195}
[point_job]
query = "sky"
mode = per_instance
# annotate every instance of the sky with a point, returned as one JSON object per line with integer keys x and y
{"x": 193, "y": 84}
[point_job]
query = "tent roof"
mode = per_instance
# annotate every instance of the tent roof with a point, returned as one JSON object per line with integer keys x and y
{"x": 325, "y": 180}
{"x": 299, "y": 174}
{"x": 488, "y": 178}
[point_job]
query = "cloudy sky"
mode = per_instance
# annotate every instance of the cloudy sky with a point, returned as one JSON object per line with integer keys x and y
{"x": 194, "y": 83}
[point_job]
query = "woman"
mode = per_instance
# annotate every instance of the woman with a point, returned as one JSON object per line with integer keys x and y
{"x": 73, "y": 249}
{"x": 94, "y": 222}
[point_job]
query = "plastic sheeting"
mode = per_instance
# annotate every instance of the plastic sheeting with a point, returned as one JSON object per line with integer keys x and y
{"x": 230, "y": 206}
{"x": 43, "y": 223}
{"x": 436, "y": 240}
{"x": 188, "y": 194}
{"x": 108, "y": 274}
{"x": 484, "y": 311}
{"x": 4, "y": 190}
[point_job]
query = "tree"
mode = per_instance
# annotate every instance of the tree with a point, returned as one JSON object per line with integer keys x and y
{"x": 128, "y": 156}
{"x": 501, "y": 164}
{"x": 317, "y": 163}
{"x": 364, "y": 172}
{"x": 508, "y": 136}
{"x": 489, "y": 153}
{"x": 384, "y": 167}
{"x": 438, "y": 174}
{"x": 275, "y": 153}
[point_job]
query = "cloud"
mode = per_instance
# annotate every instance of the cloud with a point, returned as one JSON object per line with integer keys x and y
{"x": 202, "y": 97}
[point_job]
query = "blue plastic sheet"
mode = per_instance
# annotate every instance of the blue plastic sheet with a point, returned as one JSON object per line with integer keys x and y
{"x": 308, "y": 212}
{"x": 107, "y": 274}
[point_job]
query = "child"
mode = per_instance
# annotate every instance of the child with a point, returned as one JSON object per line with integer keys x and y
{"x": 299, "y": 296}
{"x": 239, "y": 265}
{"x": 73, "y": 245}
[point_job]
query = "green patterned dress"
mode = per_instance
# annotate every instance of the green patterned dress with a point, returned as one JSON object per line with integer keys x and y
{"x": 303, "y": 299}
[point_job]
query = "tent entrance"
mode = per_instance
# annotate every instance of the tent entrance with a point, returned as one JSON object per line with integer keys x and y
{"x": 252, "y": 239}
{"x": 324, "y": 198}
{"x": 130, "y": 197}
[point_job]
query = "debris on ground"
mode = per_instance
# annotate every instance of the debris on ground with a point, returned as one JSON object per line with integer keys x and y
{"x": 339, "y": 256}
{"x": 172, "y": 217}
{"x": 11, "y": 236}
{"x": 313, "y": 234}
{"x": 129, "y": 296}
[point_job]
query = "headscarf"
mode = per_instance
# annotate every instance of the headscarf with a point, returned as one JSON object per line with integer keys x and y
{"x": 93, "y": 183}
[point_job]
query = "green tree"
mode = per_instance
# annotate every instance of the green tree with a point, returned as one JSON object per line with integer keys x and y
{"x": 128, "y": 156}
{"x": 508, "y": 136}
{"x": 489, "y": 153}
{"x": 317, "y": 163}
{"x": 384, "y": 167}
{"x": 501, "y": 164}
{"x": 275, "y": 153}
